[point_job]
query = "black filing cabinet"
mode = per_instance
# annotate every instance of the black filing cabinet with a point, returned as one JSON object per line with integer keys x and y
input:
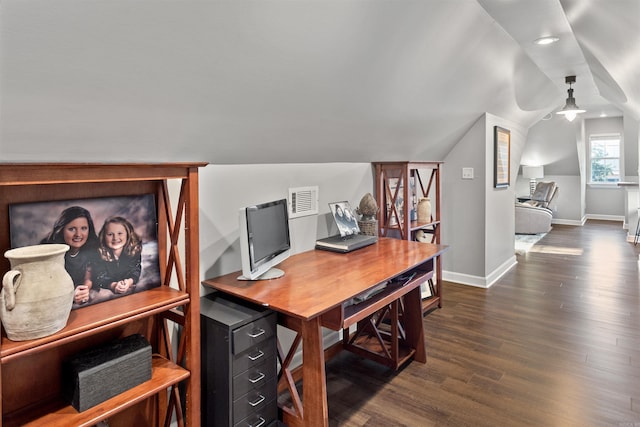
{"x": 239, "y": 363}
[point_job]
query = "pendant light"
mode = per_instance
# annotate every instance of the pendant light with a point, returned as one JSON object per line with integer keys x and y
{"x": 570, "y": 109}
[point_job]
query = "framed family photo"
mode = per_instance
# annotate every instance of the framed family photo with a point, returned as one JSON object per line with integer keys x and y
{"x": 502, "y": 157}
{"x": 113, "y": 242}
{"x": 344, "y": 218}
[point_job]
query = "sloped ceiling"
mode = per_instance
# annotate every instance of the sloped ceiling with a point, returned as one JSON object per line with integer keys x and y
{"x": 599, "y": 44}
{"x": 609, "y": 36}
{"x": 276, "y": 81}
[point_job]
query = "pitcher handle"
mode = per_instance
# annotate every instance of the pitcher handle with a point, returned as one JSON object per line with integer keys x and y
{"x": 10, "y": 283}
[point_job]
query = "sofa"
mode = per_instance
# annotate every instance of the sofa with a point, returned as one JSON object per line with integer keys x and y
{"x": 534, "y": 215}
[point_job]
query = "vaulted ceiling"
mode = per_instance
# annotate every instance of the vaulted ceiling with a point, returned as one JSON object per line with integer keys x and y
{"x": 278, "y": 81}
{"x": 599, "y": 43}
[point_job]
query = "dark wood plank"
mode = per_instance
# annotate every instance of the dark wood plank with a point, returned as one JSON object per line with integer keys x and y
{"x": 556, "y": 342}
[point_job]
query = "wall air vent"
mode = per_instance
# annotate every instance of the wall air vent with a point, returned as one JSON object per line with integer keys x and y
{"x": 303, "y": 201}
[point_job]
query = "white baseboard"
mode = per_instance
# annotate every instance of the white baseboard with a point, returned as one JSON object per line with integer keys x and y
{"x": 574, "y": 222}
{"x": 478, "y": 281}
{"x": 464, "y": 279}
{"x": 502, "y": 270}
{"x": 619, "y": 218}
{"x": 581, "y": 222}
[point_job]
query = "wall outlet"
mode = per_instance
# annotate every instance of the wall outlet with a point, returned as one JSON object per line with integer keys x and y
{"x": 467, "y": 173}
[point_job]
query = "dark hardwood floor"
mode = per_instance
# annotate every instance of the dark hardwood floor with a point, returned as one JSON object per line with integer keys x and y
{"x": 555, "y": 342}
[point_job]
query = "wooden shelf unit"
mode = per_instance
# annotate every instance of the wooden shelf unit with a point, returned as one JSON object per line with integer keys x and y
{"x": 401, "y": 181}
{"x": 30, "y": 371}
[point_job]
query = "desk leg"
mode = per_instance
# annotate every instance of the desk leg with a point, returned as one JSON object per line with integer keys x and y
{"x": 414, "y": 326}
{"x": 315, "y": 411}
{"x": 314, "y": 380}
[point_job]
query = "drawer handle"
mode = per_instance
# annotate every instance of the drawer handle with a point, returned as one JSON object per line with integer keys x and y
{"x": 260, "y": 424}
{"x": 257, "y": 333}
{"x": 257, "y": 402}
{"x": 255, "y": 380}
{"x": 258, "y": 356}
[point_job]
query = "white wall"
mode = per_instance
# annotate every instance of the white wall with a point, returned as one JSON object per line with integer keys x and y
{"x": 224, "y": 189}
{"x": 581, "y": 145}
{"x": 631, "y": 135}
{"x": 552, "y": 144}
{"x": 558, "y": 145}
{"x": 500, "y": 220}
{"x": 478, "y": 219}
{"x": 463, "y": 212}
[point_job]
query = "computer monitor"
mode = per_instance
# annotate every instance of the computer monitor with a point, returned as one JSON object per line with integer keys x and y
{"x": 264, "y": 239}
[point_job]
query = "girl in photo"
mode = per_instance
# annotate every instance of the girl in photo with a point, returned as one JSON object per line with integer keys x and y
{"x": 120, "y": 256}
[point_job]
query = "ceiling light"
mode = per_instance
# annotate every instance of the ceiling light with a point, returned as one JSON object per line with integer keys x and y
{"x": 571, "y": 109}
{"x": 546, "y": 40}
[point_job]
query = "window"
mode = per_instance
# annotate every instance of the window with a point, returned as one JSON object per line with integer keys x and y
{"x": 605, "y": 154}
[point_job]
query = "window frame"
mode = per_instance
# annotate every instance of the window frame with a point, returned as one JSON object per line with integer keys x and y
{"x": 601, "y": 136}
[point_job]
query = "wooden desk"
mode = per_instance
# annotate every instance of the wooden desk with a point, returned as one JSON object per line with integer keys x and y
{"x": 311, "y": 295}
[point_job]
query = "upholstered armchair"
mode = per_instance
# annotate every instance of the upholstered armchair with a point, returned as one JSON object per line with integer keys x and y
{"x": 534, "y": 216}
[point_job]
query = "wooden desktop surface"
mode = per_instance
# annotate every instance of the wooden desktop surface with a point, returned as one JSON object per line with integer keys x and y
{"x": 316, "y": 281}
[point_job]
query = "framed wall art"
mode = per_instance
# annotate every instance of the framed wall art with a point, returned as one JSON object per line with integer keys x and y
{"x": 502, "y": 157}
{"x": 113, "y": 242}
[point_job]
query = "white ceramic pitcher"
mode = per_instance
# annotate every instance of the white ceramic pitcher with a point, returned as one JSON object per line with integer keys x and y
{"x": 37, "y": 293}
{"x": 424, "y": 210}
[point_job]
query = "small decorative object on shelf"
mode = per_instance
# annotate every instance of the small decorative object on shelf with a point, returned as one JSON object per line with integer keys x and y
{"x": 102, "y": 372}
{"x": 368, "y": 209}
{"x": 423, "y": 237}
{"x": 424, "y": 210}
{"x": 37, "y": 293}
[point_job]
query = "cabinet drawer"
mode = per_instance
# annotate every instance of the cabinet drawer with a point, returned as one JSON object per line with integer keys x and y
{"x": 254, "y": 356}
{"x": 263, "y": 418}
{"x": 253, "y": 333}
{"x": 254, "y": 401}
{"x": 254, "y": 377}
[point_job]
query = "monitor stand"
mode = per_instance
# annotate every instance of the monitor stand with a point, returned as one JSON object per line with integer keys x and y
{"x": 272, "y": 273}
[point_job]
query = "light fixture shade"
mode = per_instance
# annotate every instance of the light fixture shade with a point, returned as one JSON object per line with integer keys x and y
{"x": 533, "y": 172}
{"x": 570, "y": 109}
{"x": 546, "y": 40}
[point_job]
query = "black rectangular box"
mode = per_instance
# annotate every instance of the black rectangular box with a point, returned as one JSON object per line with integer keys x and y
{"x": 100, "y": 373}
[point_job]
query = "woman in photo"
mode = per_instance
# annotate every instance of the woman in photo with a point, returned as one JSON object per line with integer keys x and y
{"x": 120, "y": 256}
{"x": 75, "y": 228}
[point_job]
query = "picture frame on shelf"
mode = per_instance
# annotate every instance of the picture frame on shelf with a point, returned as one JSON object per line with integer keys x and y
{"x": 502, "y": 157}
{"x": 395, "y": 189}
{"x": 426, "y": 290}
{"x": 413, "y": 194}
{"x": 113, "y": 242}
